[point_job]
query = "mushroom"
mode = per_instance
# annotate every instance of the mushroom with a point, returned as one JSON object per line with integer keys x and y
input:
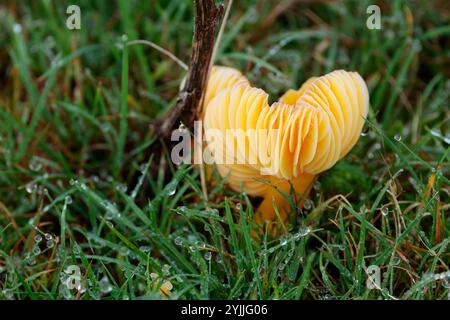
{"x": 265, "y": 149}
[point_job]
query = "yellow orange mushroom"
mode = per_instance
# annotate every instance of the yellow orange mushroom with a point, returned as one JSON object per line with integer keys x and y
{"x": 287, "y": 143}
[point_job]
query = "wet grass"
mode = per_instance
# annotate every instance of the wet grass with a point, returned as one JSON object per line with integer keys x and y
{"x": 76, "y": 187}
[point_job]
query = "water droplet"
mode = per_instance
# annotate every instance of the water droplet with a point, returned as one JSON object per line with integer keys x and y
{"x": 31, "y": 261}
{"x": 76, "y": 249}
{"x": 122, "y": 187}
{"x": 365, "y": 131}
{"x": 302, "y": 232}
{"x": 35, "y": 164}
{"x": 178, "y": 241}
{"x": 38, "y": 238}
{"x": 165, "y": 269}
{"x": 446, "y": 284}
{"x": 171, "y": 192}
{"x": 124, "y": 251}
{"x": 50, "y": 243}
{"x": 73, "y": 182}
{"x": 316, "y": 185}
{"x": 396, "y": 260}
{"x": 109, "y": 215}
{"x": 104, "y": 285}
{"x": 36, "y": 250}
{"x": 199, "y": 244}
{"x": 384, "y": 211}
{"x": 30, "y": 187}
{"x": 398, "y": 137}
{"x": 435, "y": 132}
{"x": 17, "y": 28}
{"x": 8, "y": 293}
{"x": 207, "y": 256}
{"x": 68, "y": 199}
{"x": 143, "y": 167}
{"x": 124, "y": 38}
{"x": 281, "y": 267}
{"x": 308, "y": 204}
{"x": 447, "y": 139}
{"x": 144, "y": 248}
{"x": 283, "y": 241}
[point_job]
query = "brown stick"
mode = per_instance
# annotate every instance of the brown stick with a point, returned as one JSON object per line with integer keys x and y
{"x": 189, "y": 107}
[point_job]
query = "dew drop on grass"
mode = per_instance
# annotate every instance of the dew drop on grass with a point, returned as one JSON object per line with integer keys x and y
{"x": 8, "y": 293}
{"x": 384, "y": 211}
{"x": 17, "y": 28}
{"x": 144, "y": 248}
{"x": 165, "y": 269}
{"x": 283, "y": 241}
{"x": 124, "y": 251}
{"x": 38, "y": 238}
{"x": 171, "y": 188}
{"x": 303, "y": 231}
{"x": 435, "y": 132}
{"x": 124, "y": 38}
{"x": 36, "y": 250}
{"x": 398, "y": 138}
{"x": 109, "y": 215}
{"x": 32, "y": 261}
{"x": 207, "y": 256}
{"x": 178, "y": 241}
{"x": 143, "y": 167}
{"x": 35, "y": 165}
{"x": 121, "y": 187}
{"x": 316, "y": 185}
{"x": 364, "y": 132}
{"x": 30, "y": 187}
{"x": 76, "y": 249}
{"x": 281, "y": 267}
{"x": 396, "y": 261}
{"x": 308, "y": 204}
{"x": 73, "y": 182}
{"x": 447, "y": 139}
{"x": 50, "y": 243}
{"x": 446, "y": 284}
{"x": 104, "y": 285}
{"x": 199, "y": 244}
{"x": 68, "y": 199}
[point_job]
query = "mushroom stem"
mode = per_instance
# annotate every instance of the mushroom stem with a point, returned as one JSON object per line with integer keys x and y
{"x": 275, "y": 197}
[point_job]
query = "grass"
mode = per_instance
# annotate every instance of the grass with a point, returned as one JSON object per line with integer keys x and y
{"x": 75, "y": 166}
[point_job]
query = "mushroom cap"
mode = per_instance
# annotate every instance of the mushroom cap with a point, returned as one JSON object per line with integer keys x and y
{"x": 303, "y": 134}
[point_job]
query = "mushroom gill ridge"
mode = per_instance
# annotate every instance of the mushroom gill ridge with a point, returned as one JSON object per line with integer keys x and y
{"x": 287, "y": 143}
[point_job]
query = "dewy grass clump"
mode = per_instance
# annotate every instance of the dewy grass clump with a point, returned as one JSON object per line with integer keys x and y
{"x": 265, "y": 149}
